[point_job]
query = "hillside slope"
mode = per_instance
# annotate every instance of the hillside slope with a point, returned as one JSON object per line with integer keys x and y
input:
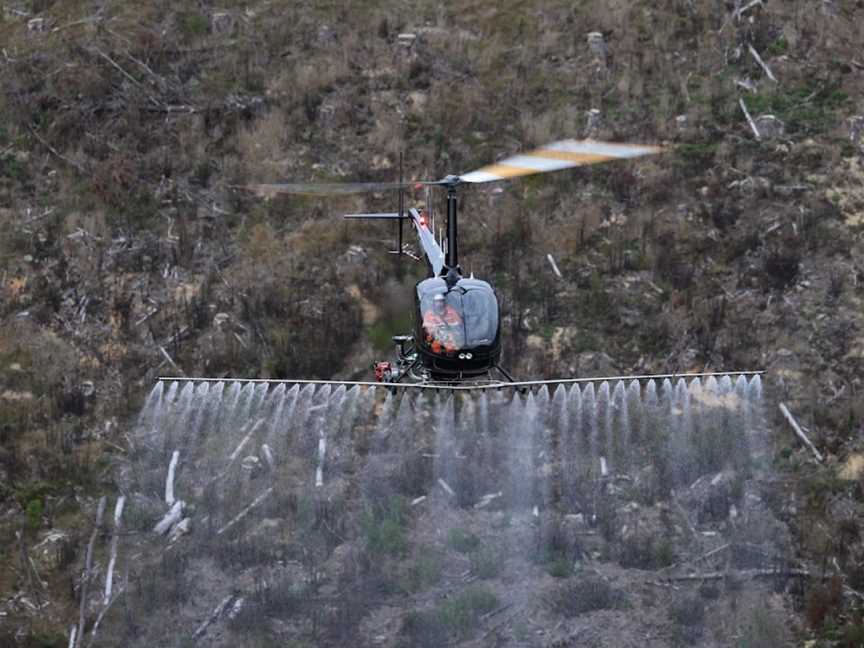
{"x": 128, "y": 250}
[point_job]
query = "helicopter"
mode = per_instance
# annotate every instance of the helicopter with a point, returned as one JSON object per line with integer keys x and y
{"x": 456, "y": 337}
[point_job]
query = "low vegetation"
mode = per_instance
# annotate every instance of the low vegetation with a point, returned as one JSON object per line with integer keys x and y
{"x": 130, "y": 250}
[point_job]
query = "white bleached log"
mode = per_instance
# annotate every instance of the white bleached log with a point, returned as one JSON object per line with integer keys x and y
{"x": 233, "y": 457}
{"x": 446, "y": 487}
{"x": 217, "y": 612}
{"x": 762, "y": 63}
{"x": 245, "y": 440}
{"x": 740, "y": 12}
{"x": 101, "y": 616}
{"x": 604, "y": 469}
{"x": 748, "y": 573}
{"x": 322, "y": 452}
{"x": 418, "y": 500}
{"x": 171, "y": 518}
{"x": 73, "y": 631}
{"x": 554, "y": 266}
{"x": 112, "y": 562}
{"x": 179, "y": 529}
{"x": 171, "y": 360}
{"x": 88, "y": 566}
{"x": 169, "y": 481}
{"x": 486, "y": 500}
{"x": 239, "y": 448}
{"x": 749, "y": 119}
{"x": 245, "y": 511}
{"x": 799, "y": 432}
{"x": 268, "y": 456}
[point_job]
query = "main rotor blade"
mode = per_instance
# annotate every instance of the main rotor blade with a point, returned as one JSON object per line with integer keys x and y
{"x": 326, "y": 188}
{"x": 555, "y": 156}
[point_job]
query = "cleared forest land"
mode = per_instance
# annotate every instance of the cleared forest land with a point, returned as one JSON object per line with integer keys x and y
{"x": 128, "y": 251}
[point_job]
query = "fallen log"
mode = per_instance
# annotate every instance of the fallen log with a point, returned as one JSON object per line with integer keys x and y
{"x": 799, "y": 432}
{"x": 750, "y": 573}
{"x": 245, "y": 511}
{"x": 322, "y": 453}
{"x": 118, "y": 513}
{"x": 88, "y": 567}
{"x": 169, "y": 482}
{"x": 762, "y": 63}
{"x": 216, "y": 614}
{"x": 446, "y": 487}
{"x": 750, "y": 119}
{"x": 268, "y": 456}
{"x": 171, "y": 518}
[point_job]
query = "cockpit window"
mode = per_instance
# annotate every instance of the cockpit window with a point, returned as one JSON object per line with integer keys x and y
{"x": 443, "y": 323}
{"x": 481, "y": 317}
{"x": 458, "y": 318}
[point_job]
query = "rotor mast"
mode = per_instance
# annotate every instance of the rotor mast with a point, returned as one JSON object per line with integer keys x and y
{"x": 452, "y": 259}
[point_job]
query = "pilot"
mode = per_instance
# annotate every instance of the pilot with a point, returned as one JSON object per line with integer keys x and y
{"x": 442, "y": 323}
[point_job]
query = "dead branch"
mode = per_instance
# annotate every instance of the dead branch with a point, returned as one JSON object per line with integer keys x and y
{"x": 704, "y": 556}
{"x": 29, "y": 567}
{"x": 683, "y": 513}
{"x": 88, "y": 566}
{"x": 799, "y": 432}
{"x": 762, "y": 63}
{"x": 55, "y": 152}
{"x": 245, "y": 511}
{"x": 750, "y": 573}
{"x": 171, "y": 360}
{"x": 134, "y": 81}
{"x": 446, "y": 487}
{"x": 217, "y": 613}
{"x": 749, "y": 119}
{"x": 102, "y": 614}
{"x": 109, "y": 578}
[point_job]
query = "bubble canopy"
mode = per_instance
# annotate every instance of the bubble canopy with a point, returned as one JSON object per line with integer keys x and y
{"x": 462, "y": 318}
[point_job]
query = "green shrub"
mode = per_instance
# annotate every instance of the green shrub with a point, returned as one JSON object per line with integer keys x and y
{"x": 695, "y": 157}
{"x": 486, "y": 563}
{"x": 11, "y": 167}
{"x": 454, "y": 619}
{"x": 808, "y": 108}
{"x": 461, "y": 614}
{"x": 192, "y": 24}
{"x": 559, "y": 567}
{"x": 462, "y": 541}
{"x": 424, "y": 572}
{"x": 34, "y": 510}
{"x": 384, "y": 531}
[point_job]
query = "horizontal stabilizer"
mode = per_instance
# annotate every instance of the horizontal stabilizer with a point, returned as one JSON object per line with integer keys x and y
{"x": 379, "y": 216}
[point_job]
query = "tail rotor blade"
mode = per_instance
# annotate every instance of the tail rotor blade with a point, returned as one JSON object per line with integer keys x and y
{"x": 558, "y": 155}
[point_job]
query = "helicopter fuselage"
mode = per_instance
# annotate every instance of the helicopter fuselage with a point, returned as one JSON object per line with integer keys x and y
{"x": 457, "y": 328}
